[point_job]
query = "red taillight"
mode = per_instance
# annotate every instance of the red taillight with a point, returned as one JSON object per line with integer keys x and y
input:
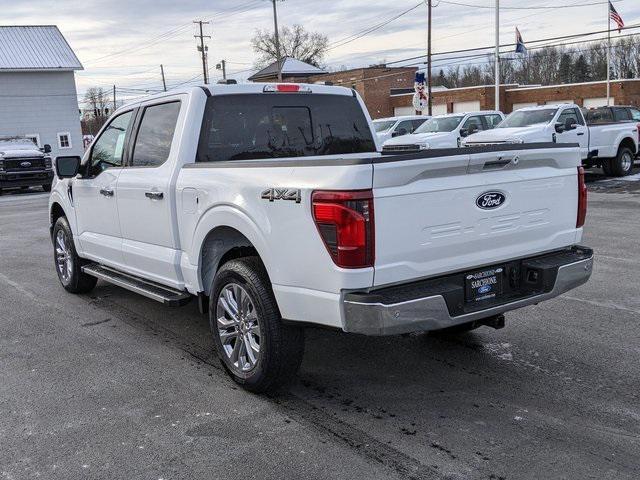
{"x": 286, "y": 88}
{"x": 582, "y": 198}
{"x": 345, "y": 222}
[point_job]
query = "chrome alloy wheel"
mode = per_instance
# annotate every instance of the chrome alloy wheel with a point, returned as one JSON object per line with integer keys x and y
{"x": 627, "y": 161}
{"x": 64, "y": 261}
{"x": 238, "y": 327}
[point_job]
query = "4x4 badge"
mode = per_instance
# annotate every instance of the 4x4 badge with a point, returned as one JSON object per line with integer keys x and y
{"x": 273, "y": 194}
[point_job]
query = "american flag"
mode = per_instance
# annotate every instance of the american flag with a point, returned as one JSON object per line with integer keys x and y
{"x": 615, "y": 16}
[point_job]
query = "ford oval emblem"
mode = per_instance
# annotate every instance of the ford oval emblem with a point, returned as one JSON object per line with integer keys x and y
{"x": 484, "y": 289}
{"x": 25, "y": 164}
{"x": 490, "y": 200}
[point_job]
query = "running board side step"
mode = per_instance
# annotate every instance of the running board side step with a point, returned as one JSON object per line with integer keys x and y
{"x": 152, "y": 290}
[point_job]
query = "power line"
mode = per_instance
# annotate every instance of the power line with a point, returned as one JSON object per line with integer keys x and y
{"x": 368, "y": 30}
{"x": 476, "y": 49}
{"x": 449, "y": 2}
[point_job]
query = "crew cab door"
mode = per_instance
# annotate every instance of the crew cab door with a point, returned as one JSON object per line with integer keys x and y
{"x": 146, "y": 194}
{"x": 95, "y": 193}
{"x": 579, "y": 135}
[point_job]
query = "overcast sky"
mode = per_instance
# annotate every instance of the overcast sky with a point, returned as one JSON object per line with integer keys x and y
{"x": 123, "y": 42}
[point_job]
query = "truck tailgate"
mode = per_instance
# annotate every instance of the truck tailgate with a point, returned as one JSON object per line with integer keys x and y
{"x": 428, "y": 215}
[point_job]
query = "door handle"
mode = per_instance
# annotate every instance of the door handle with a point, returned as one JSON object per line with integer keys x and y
{"x": 107, "y": 192}
{"x": 154, "y": 195}
{"x": 581, "y": 133}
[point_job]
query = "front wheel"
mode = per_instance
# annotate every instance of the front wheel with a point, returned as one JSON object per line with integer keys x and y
{"x": 255, "y": 347}
{"x": 68, "y": 263}
{"x": 622, "y": 165}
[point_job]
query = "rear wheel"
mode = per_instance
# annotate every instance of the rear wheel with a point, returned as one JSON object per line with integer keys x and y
{"x": 68, "y": 264}
{"x": 623, "y": 164}
{"x": 606, "y": 167}
{"x": 255, "y": 347}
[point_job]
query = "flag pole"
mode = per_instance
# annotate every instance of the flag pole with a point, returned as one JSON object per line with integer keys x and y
{"x": 608, "y": 53}
{"x": 497, "y": 66}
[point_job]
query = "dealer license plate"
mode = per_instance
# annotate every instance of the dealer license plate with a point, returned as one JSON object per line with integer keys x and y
{"x": 483, "y": 285}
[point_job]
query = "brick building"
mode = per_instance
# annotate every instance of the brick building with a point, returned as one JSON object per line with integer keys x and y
{"x": 512, "y": 97}
{"x": 372, "y": 83}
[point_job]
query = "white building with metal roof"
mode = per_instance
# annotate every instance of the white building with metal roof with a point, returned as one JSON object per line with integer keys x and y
{"x": 38, "y": 96}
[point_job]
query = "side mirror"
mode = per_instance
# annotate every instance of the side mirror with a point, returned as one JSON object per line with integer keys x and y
{"x": 47, "y": 148}
{"x": 570, "y": 124}
{"x": 67, "y": 167}
{"x": 464, "y": 132}
{"x": 559, "y": 127}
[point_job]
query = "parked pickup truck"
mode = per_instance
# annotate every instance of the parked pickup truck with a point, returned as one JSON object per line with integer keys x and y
{"x": 612, "y": 146}
{"x": 444, "y": 131}
{"x": 271, "y": 206}
{"x": 23, "y": 164}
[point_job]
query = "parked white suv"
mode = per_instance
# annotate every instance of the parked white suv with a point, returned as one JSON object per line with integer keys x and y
{"x": 610, "y": 145}
{"x": 272, "y": 207}
{"x": 444, "y": 131}
{"x": 392, "y": 127}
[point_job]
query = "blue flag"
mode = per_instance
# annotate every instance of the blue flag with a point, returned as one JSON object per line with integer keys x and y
{"x": 520, "y": 46}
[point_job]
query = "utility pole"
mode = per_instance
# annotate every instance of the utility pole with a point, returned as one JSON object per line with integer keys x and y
{"x": 114, "y": 98}
{"x": 429, "y": 100}
{"x": 164, "y": 82}
{"x": 277, "y": 38}
{"x": 497, "y": 74}
{"x": 608, "y": 55}
{"x": 203, "y": 50}
{"x": 222, "y": 66}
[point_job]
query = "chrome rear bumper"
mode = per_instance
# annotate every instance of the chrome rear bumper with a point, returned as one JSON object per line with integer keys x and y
{"x": 370, "y": 314}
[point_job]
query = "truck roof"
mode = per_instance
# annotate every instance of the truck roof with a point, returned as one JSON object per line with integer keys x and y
{"x": 546, "y": 107}
{"x": 244, "y": 88}
{"x": 402, "y": 117}
{"x": 461, "y": 114}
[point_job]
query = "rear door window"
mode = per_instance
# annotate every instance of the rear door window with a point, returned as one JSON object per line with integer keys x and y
{"x": 621, "y": 114}
{"x": 261, "y": 126}
{"x": 155, "y": 134}
{"x": 635, "y": 114}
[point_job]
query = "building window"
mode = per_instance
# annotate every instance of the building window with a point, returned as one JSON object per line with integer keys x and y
{"x": 34, "y": 137}
{"x": 64, "y": 140}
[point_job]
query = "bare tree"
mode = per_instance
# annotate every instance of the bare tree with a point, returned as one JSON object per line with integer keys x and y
{"x": 295, "y": 42}
{"x": 96, "y": 102}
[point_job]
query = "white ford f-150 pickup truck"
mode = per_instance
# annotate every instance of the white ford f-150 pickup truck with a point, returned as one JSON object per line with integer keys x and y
{"x": 271, "y": 206}
{"x": 612, "y": 146}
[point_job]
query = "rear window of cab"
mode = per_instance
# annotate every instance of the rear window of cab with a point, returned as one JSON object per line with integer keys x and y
{"x": 279, "y": 125}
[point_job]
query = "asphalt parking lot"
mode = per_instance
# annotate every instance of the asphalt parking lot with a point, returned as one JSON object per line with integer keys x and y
{"x": 114, "y": 386}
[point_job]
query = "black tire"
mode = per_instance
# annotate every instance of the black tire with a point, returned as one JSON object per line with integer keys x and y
{"x": 71, "y": 276}
{"x": 281, "y": 346}
{"x": 46, "y": 188}
{"x": 606, "y": 167}
{"x": 622, "y": 165}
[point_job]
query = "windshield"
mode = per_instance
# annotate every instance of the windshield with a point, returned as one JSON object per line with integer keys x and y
{"x": 526, "y": 118}
{"x": 439, "y": 124}
{"x": 259, "y": 126}
{"x": 382, "y": 125}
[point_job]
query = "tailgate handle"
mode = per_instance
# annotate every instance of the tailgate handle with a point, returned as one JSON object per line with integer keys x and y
{"x": 501, "y": 162}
